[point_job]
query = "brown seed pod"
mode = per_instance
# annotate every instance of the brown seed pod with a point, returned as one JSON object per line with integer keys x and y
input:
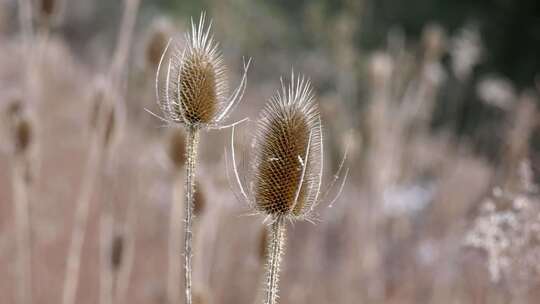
{"x": 117, "y": 249}
{"x": 195, "y": 90}
{"x": 198, "y": 88}
{"x": 177, "y": 148}
{"x": 23, "y": 135}
{"x": 47, "y": 8}
{"x": 288, "y": 152}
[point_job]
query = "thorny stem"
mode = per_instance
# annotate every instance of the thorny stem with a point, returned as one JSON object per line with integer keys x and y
{"x": 22, "y": 223}
{"x": 192, "y": 145}
{"x": 275, "y": 252}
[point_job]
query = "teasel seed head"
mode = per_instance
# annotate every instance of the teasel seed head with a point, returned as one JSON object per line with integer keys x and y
{"x": 286, "y": 171}
{"x": 117, "y": 250}
{"x": 195, "y": 90}
{"x": 23, "y": 135}
{"x": 47, "y": 7}
{"x": 177, "y": 148}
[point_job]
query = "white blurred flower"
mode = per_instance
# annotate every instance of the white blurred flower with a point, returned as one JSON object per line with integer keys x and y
{"x": 496, "y": 91}
{"x": 466, "y": 51}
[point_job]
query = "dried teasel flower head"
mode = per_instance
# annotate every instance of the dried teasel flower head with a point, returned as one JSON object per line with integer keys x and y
{"x": 117, "y": 251}
{"x": 161, "y": 30}
{"x": 194, "y": 93}
{"x": 49, "y": 11}
{"x": 287, "y": 168}
{"x": 22, "y": 135}
{"x": 47, "y": 7}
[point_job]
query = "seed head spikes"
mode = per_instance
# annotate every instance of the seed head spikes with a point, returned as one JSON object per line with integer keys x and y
{"x": 195, "y": 89}
{"x": 286, "y": 172}
{"x": 194, "y": 95}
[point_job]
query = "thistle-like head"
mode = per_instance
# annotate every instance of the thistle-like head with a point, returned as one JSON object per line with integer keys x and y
{"x": 286, "y": 170}
{"x": 195, "y": 92}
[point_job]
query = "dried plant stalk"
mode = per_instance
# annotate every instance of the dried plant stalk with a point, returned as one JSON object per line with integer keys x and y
{"x": 275, "y": 253}
{"x": 22, "y": 226}
{"x": 195, "y": 96}
{"x": 287, "y": 169}
{"x": 192, "y": 147}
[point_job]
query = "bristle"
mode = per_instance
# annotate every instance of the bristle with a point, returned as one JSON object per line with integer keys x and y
{"x": 117, "y": 249}
{"x": 288, "y": 139}
{"x": 177, "y": 149}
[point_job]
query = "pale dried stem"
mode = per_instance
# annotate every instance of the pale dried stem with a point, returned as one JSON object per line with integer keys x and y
{"x": 124, "y": 273}
{"x": 275, "y": 253}
{"x": 22, "y": 226}
{"x": 106, "y": 274}
{"x": 78, "y": 234}
{"x": 192, "y": 142}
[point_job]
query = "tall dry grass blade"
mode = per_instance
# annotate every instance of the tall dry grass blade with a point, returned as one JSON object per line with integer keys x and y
{"x": 22, "y": 227}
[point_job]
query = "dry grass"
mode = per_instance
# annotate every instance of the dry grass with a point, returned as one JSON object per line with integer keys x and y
{"x": 396, "y": 235}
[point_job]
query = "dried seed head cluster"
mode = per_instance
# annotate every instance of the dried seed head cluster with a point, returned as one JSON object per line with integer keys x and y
{"x": 117, "y": 249}
{"x": 23, "y": 135}
{"x": 195, "y": 90}
{"x": 47, "y": 7}
{"x": 286, "y": 171}
{"x": 19, "y": 126}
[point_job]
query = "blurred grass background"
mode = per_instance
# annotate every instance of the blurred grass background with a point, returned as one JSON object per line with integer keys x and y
{"x": 437, "y": 101}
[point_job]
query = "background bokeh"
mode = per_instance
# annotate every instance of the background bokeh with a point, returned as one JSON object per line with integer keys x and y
{"x": 434, "y": 102}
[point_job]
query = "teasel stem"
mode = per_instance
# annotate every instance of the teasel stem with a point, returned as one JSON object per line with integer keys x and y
{"x": 22, "y": 223}
{"x": 275, "y": 253}
{"x": 192, "y": 142}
